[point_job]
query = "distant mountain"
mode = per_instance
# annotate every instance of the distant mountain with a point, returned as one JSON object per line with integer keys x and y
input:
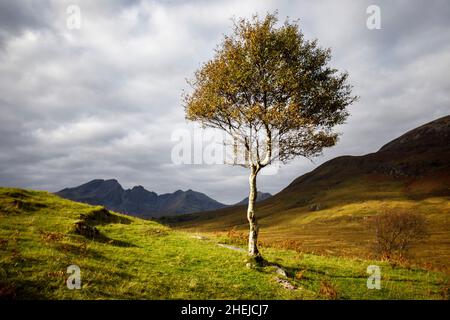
{"x": 138, "y": 201}
{"x": 260, "y": 197}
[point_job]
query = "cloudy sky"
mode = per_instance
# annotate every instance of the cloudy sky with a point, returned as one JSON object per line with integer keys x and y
{"x": 103, "y": 101}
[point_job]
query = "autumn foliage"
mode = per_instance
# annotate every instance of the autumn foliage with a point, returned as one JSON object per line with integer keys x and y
{"x": 397, "y": 232}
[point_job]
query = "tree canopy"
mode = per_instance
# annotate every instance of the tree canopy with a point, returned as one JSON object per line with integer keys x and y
{"x": 268, "y": 84}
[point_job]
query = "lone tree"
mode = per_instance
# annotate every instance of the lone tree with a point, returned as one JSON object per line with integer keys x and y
{"x": 269, "y": 88}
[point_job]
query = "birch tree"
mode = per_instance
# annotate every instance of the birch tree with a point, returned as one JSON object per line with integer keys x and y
{"x": 268, "y": 86}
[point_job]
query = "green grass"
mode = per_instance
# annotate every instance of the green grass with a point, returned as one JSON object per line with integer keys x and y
{"x": 139, "y": 259}
{"x": 341, "y": 226}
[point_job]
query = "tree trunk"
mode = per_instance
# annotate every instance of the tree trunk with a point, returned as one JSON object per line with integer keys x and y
{"x": 253, "y": 234}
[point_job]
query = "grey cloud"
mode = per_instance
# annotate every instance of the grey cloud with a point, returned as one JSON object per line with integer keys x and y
{"x": 102, "y": 102}
{"x": 17, "y": 17}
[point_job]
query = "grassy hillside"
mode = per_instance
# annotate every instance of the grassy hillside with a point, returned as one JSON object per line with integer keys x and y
{"x": 328, "y": 209}
{"x": 136, "y": 259}
{"x": 334, "y": 220}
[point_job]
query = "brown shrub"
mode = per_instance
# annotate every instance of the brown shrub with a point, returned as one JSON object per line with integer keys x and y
{"x": 51, "y": 236}
{"x": 328, "y": 290}
{"x": 290, "y": 245}
{"x": 7, "y": 291}
{"x": 3, "y": 243}
{"x": 80, "y": 249}
{"x": 56, "y": 274}
{"x": 237, "y": 237}
{"x": 396, "y": 232}
{"x": 156, "y": 232}
{"x": 299, "y": 275}
{"x": 445, "y": 292}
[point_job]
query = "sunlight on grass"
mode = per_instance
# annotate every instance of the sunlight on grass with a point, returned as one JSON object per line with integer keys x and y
{"x": 145, "y": 260}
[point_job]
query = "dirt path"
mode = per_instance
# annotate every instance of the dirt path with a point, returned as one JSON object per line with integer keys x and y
{"x": 231, "y": 247}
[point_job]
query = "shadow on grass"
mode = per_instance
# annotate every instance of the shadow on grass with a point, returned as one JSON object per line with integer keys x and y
{"x": 103, "y": 217}
{"x": 95, "y": 235}
{"x": 86, "y": 226}
{"x": 259, "y": 263}
{"x": 23, "y": 290}
{"x": 80, "y": 250}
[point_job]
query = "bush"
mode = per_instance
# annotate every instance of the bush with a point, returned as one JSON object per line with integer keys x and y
{"x": 396, "y": 232}
{"x": 328, "y": 290}
{"x": 289, "y": 244}
{"x": 237, "y": 237}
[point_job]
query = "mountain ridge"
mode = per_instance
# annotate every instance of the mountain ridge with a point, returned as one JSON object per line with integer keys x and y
{"x": 261, "y": 196}
{"x": 137, "y": 201}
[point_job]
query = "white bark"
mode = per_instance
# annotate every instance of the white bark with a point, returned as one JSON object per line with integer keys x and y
{"x": 251, "y": 217}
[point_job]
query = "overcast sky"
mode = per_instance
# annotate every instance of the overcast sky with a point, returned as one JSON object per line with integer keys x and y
{"x": 102, "y": 101}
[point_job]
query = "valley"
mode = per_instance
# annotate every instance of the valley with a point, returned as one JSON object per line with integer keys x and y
{"x": 131, "y": 258}
{"x": 327, "y": 210}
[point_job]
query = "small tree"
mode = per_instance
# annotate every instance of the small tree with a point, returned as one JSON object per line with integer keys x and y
{"x": 267, "y": 86}
{"x": 396, "y": 232}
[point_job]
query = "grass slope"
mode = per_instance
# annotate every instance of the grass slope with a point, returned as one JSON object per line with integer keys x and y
{"x": 328, "y": 209}
{"x": 339, "y": 226}
{"x": 139, "y": 259}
